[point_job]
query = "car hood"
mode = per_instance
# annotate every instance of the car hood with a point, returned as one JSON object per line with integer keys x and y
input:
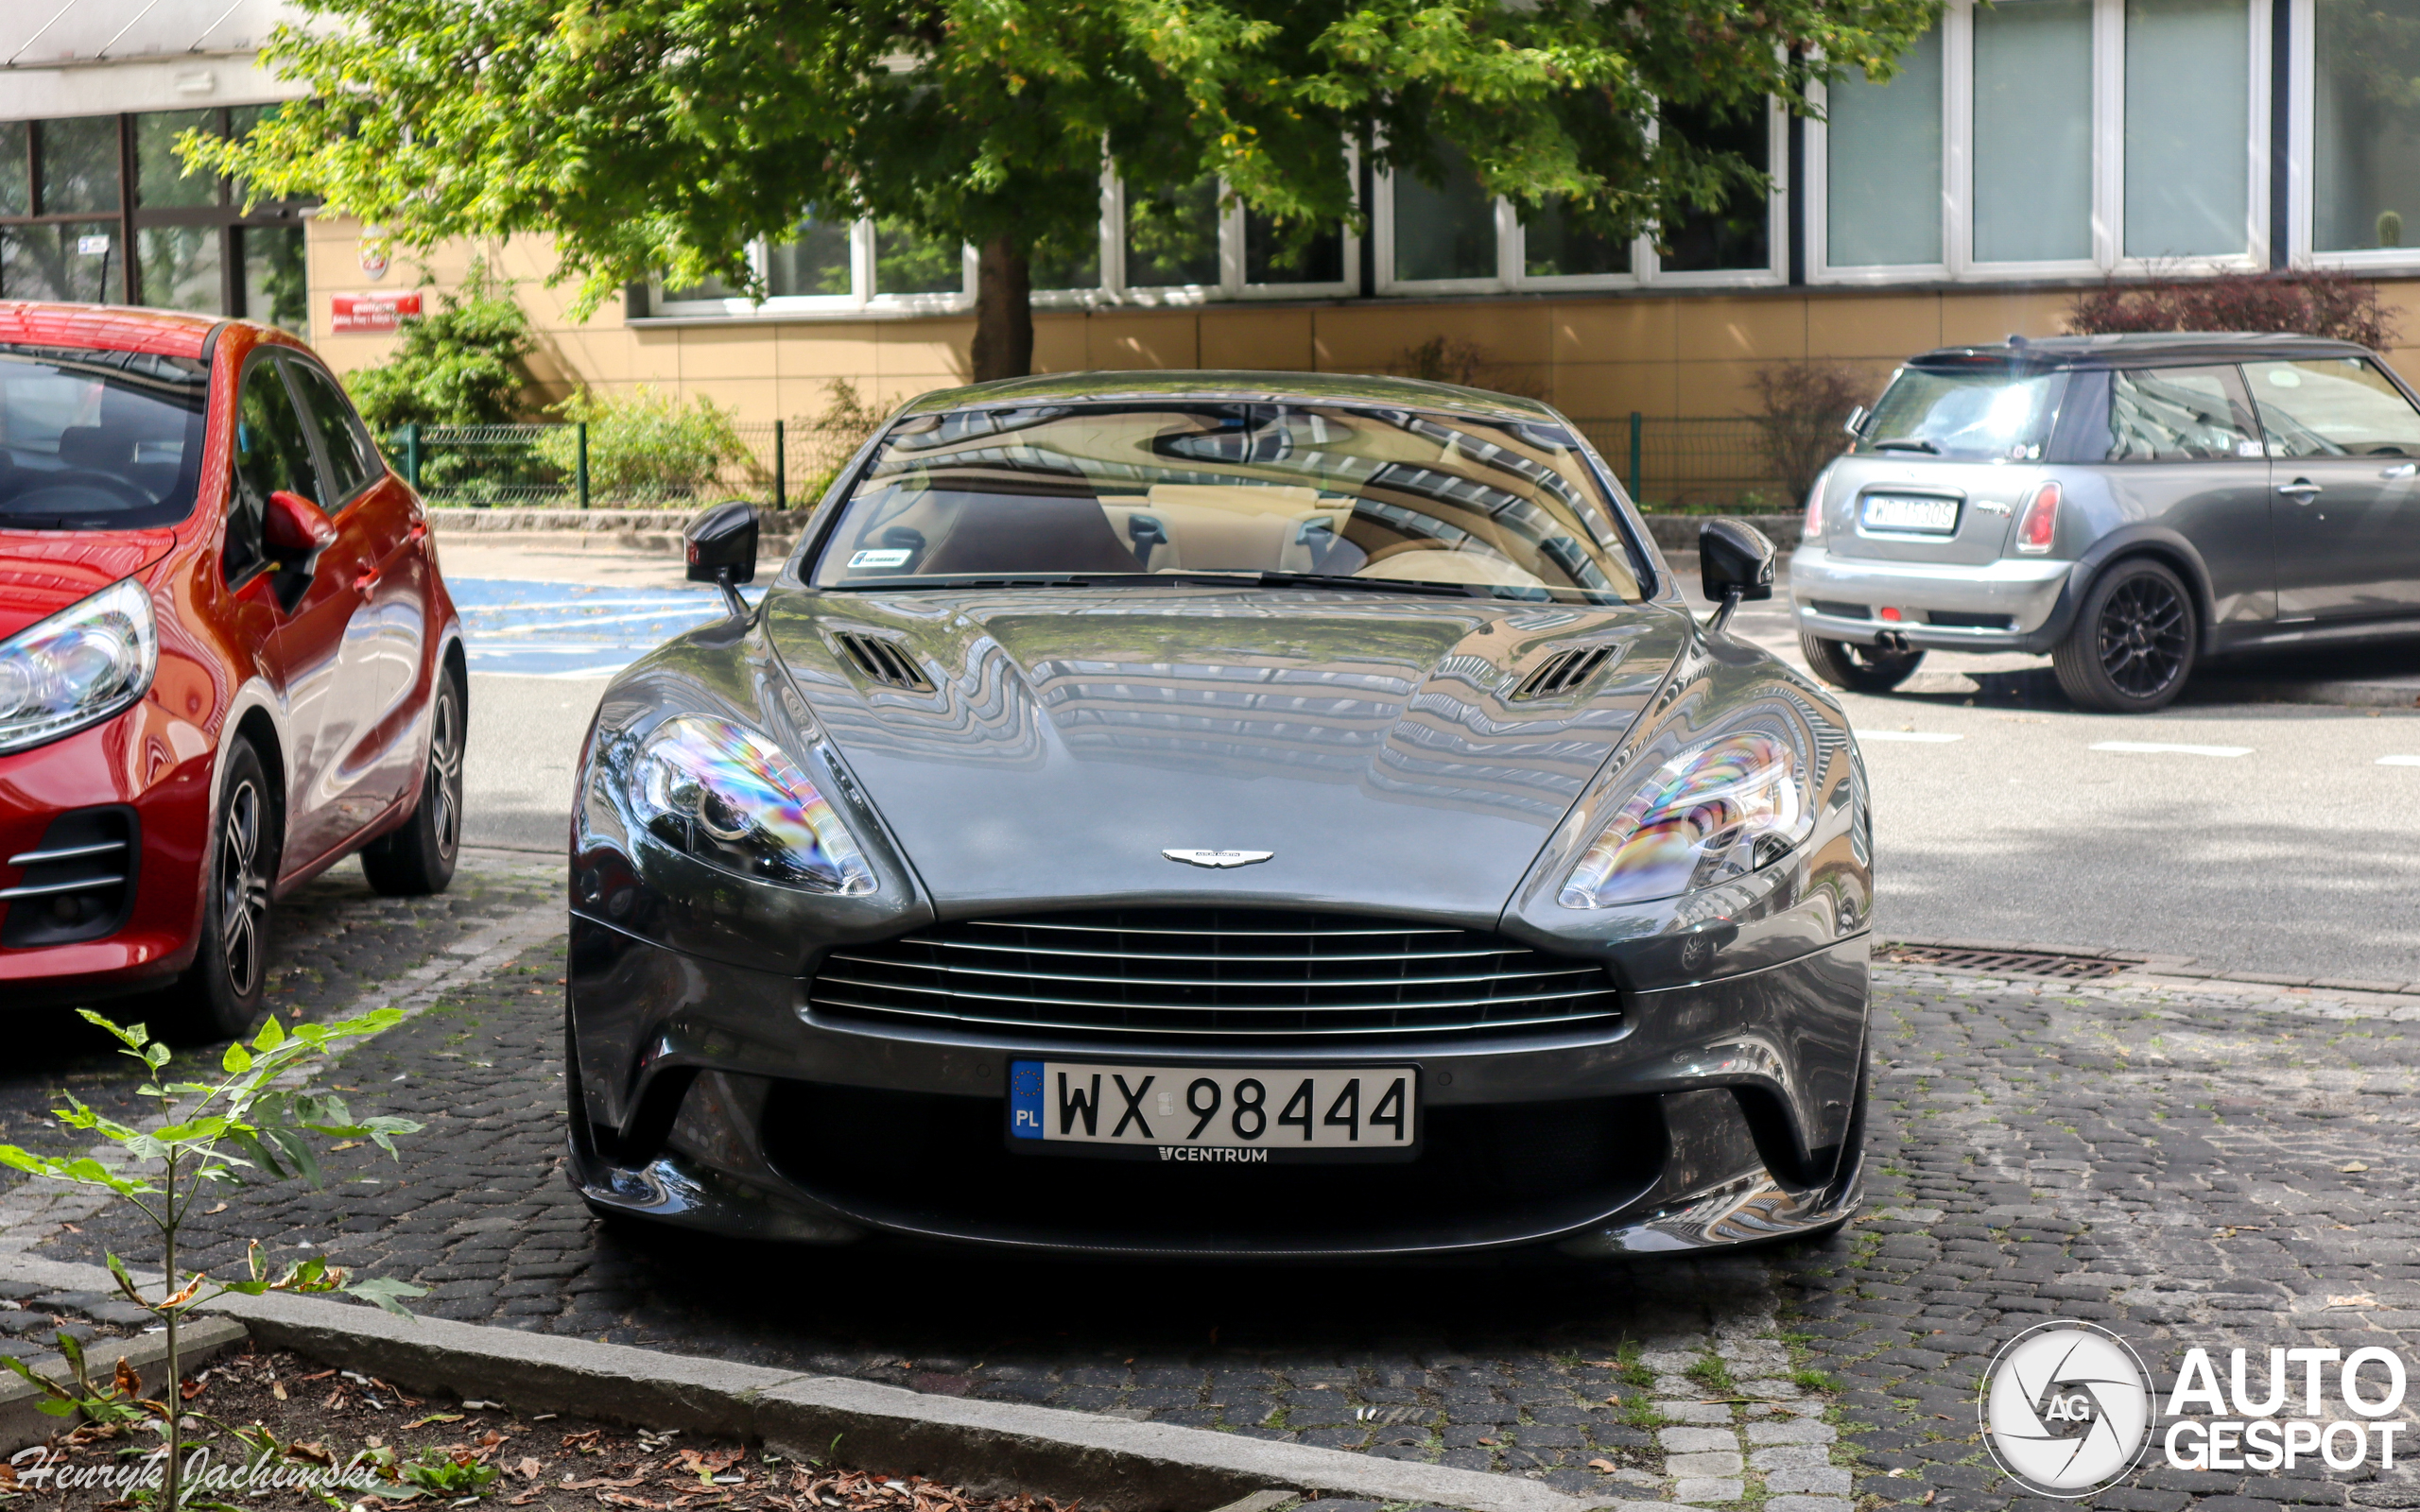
{"x": 1070, "y": 737}
{"x": 41, "y": 572}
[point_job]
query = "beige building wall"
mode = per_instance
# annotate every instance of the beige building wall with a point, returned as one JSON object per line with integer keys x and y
{"x": 1599, "y": 355}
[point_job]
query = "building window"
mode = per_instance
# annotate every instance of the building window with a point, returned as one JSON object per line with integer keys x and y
{"x": 70, "y": 220}
{"x": 2359, "y": 128}
{"x": 1444, "y": 230}
{"x": 1736, "y": 236}
{"x": 2036, "y": 137}
{"x": 1172, "y": 237}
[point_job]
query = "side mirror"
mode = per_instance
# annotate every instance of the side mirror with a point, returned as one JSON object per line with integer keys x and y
{"x": 1735, "y": 563}
{"x": 722, "y": 546}
{"x": 1854, "y": 424}
{"x": 295, "y": 524}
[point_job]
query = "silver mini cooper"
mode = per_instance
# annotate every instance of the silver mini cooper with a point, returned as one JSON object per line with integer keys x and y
{"x": 2126, "y": 504}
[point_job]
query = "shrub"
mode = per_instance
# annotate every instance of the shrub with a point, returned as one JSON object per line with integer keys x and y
{"x": 458, "y": 365}
{"x": 1452, "y": 360}
{"x": 1801, "y": 408}
{"x": 646, "y": 446}
{"x": 2312, "y": 302}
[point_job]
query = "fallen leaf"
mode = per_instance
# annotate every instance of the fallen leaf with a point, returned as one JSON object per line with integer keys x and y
{"x": 1613, "y": 1401}
{"x": 602, "y": 1483}
{"x": 277, "y": 1389}
{"x": 527, "y": 1497}
{"x": 349, "y": 1144}
{"x": 617, "y": 1498}
{"x": 432, "y": 1418}
{"x": 2353, "y": 1168}
{"x": 1487, "y": 1440}
{"x": 296, "y": 1014}
{"x": 127, "y": 1381}
{"x": 314, "y": 1453}
{"x": 221, "y": 1208}
{"x": 321, "y": 1376}
{"x": 1602, "y": 1467}
{"x": 528, "y": 1470}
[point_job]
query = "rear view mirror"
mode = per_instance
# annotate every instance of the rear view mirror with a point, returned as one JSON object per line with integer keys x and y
{"x": 1735, "y": 563}
{"x": 295, "y": 524}
{"x": 1854, "y": 424}
{"x": 722, "y": 546}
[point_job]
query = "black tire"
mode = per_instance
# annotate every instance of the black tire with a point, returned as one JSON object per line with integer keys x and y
{"x": 2134, "y": 640}
{"x": 419, "y": 858}
{"x": 1858, "y": 668}
{"x": 221, "y": 995}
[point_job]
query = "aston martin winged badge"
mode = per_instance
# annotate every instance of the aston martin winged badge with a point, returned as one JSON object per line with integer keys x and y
{"x": 1218, "y": 858}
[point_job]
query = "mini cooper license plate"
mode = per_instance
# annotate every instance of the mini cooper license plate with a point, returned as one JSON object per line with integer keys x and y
{"x": 1920, "y": 513}
{"x": 1221, "y": 1114}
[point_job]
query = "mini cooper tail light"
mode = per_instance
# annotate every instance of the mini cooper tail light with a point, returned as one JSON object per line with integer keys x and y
{"x": 1813, "y": 528}
{"x": 2039, "y": 525}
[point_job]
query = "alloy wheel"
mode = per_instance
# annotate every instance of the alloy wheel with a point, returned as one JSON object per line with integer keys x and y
{"x": 243, "y": 890}
{"x": 2142, "y": 636}
{"x": 445, "y": 774}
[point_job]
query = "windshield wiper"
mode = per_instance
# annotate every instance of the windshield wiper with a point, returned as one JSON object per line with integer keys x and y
{"x": 1906, "y": 443}
{"x": 1241, "y": 577}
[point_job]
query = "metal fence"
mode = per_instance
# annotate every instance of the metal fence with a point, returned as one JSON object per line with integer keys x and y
{"x": 569, "y": 466}
{"x": 1669, "y": 465}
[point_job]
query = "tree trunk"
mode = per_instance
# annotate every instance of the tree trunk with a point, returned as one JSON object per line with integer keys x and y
{"x": 1003, "y": 312}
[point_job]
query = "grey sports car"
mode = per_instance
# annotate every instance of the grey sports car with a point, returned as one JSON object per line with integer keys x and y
{"x": 1222, "y": 815}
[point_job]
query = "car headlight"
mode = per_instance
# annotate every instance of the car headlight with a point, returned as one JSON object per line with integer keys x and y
{"x": 84, "y": 663}
{"x": 731, "y": 798}
{"x": 1717, "y": 809}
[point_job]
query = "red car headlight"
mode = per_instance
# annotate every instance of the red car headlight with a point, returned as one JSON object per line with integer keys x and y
{"x": 79, "y": 666}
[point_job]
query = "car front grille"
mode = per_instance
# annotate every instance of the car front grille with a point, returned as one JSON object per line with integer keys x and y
{"x": 1215, "y": 974}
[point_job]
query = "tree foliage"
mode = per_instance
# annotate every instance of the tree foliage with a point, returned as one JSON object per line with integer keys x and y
{"x": 458, "y": 365}
{"x": 664, "y": 135}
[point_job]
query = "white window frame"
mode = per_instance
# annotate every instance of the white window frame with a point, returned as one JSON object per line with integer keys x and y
{"x": 2301, "y": 147}
{"x": 860, "y": 300}
{"x": 1959, "y": 264}
{"x": 1653, "y": 272}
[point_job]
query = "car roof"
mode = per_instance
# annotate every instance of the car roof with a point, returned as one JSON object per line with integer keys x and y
{"x": 108, "y": 327}
{"x": 1262, "y": 387}
{"x": 2140, "y": 347}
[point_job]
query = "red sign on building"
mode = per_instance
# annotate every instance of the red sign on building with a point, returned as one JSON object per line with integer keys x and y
{"x": 369, "y": 313}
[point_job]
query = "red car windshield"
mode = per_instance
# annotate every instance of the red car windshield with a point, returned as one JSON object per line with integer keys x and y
{"x": 97, "y": 440}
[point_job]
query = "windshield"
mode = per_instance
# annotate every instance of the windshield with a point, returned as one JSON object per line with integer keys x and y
{"x": 97, "y": 440}
{"x": 1345, "y": 494}
{"x": 1973, "y": 414}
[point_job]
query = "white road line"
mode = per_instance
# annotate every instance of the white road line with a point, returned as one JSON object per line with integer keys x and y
{"x": 2151, "y": 747}
{"x": 2399, "y": 761}
{"x": 1920, "y": 737}
{"x": 700, "y": 612}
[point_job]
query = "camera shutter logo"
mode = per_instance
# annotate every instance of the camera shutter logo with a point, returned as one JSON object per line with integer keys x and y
{"x": 2066, "y": 1409}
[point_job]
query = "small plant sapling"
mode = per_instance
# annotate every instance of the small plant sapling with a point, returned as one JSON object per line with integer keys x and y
{"x": 252, "y": 1124}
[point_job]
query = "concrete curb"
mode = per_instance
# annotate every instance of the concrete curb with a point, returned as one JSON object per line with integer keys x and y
{"x": 989, "y": 1447}
{"x": 23, "y": 1422}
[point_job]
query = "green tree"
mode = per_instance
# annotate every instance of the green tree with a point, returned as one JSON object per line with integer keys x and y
{"x": 650, "y": 135}
{"x": 457, "y": 365}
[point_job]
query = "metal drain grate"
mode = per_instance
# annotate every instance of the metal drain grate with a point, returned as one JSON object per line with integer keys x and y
{"x": 2011, "y": 963}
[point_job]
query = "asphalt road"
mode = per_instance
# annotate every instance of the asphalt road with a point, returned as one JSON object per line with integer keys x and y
{"x": 1997, "y": 816}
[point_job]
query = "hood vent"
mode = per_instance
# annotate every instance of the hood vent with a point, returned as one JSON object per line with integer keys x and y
{"x": 1563, "y": 672}
{"x": 885, "y": 662}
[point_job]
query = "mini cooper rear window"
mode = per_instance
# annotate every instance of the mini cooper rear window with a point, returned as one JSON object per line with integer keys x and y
{"x": 1132, "y": 490}
{"x": 1973, "y": 414}
{"x": 97, "y": 440}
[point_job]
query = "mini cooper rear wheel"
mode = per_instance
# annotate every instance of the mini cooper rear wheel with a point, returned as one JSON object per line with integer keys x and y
{"x": 419, "y": 858}
{"x": 1858, "y": 668}
{"x": 2132, "y": 647}
{"x": 220, "y": 997}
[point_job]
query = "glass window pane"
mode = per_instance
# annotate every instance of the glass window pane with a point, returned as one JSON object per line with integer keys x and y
{"x": 815, "y": 261}
{"x": 1555, "y": 246}
{"x": 2177, "y": 414}
{"x": 1273, "y": 256}
{"x": 2033, "y": 131}
{"x": 1049, "y": 270}
{"x": 1882, "y": 150}
{"x": 907, "y": 262}
{"x": 712, "y": 288}
{"x": 273, "y": 287}
{"x": 272, "y": 455}
{"x": 16, "y": 176}
{"x": 2189, "y": 119}
{"x": 160, "y": 177}
{"x": 1172, "y": 236}
{"x": 76, "y": 262}
{"x": 182, "y": 267}
{"x": 343, "y": 440}
{"x": 1445, "y": 232}
{"x": 1736, "y": 236}
{"x": 2341, "y": 406}
{"x": 79, "y": 164}
{"x": 2365, "y": 148}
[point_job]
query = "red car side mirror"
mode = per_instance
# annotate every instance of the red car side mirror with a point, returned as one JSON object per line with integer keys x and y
{"x": 297, "y": 524}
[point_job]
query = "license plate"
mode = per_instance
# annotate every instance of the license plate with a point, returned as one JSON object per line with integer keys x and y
{"x": 1224, "y": 1115}
{"x": 1918, "y": 512}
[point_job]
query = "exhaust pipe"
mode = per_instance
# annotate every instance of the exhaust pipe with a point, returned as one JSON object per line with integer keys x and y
{"x": 1894, "y": 641}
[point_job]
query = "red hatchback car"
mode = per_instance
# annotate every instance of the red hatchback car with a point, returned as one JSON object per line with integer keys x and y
{"x": 227, "y": 660}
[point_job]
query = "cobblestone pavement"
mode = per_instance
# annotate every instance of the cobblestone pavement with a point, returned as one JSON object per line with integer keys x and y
{"x": 329, "y": 943}
{"x": 2192, "y": 1166}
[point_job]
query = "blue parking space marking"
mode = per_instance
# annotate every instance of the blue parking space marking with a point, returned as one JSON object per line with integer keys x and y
{"x": 573, "y": 629}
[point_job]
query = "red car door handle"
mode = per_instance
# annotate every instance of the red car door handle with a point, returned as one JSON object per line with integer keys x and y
{"x": 419, "y": 533}
{"x": 366, "y": 581}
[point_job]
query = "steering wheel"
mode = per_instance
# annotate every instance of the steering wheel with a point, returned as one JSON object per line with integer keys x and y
{"x": 43, "y": 486}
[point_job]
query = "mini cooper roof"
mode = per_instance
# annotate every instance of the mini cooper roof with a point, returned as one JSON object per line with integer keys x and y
{"x": 1251, "y": 387}
{"x": 2140, "y": 349}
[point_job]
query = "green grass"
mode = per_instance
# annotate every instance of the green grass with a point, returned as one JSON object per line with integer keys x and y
{"x": 1629, "y": 1370}
{"x": 1813, "y": 1381}
{"x": 1713, "y": 1374}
